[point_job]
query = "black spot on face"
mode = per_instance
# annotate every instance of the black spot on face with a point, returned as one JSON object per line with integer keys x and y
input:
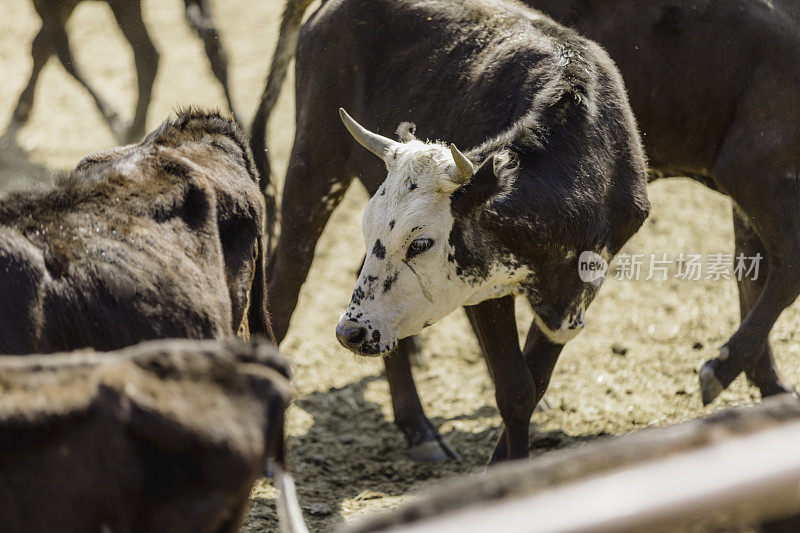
{"x": 391, "y": 224}
{"x": 378, "y": 250}
{"x": 388, "y": 282}
{"x": 412, "y": 186}
{"x": 383, "y": 191}
{"x": 358, "y": 295}
{"x": 376, "y": 336}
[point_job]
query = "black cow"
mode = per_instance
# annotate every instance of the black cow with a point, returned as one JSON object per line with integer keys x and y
{"x": 728, "y": 119}
{"x": 162, "y": 436}
{"x": 52, "y": 38}
{"x": 152, "y": 240}
{"x": 555, "y": 168}
{"x": 715, "y": 86}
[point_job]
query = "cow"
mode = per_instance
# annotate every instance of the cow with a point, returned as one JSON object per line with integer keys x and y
{"x": 552, "y": 167}
{"x": 167, "y": 435}
{"x": 152, "y": 240}
{"x": 52, "y": 39}
{"x": 728, "y": 119}
{"x": 685, "y": 102}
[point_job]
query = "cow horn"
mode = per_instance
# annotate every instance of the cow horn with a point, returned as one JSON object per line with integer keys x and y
{"x": 377, "y": 144}
{"x": 464, "y": 165}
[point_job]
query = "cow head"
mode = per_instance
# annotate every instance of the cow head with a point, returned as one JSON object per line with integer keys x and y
{"x": 410, "y": 279}
{"x": 208, "y": 149}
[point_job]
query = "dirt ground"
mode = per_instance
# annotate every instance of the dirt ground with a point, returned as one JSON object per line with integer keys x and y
{"x": 634, "y": 366}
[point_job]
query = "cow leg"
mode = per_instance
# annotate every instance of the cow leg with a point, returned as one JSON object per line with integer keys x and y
{"x": 425, "y": 443}
{"x": 129, "y": 17}
{"x": 515, "y": 390}
{"x": 745, "y": 348}
{"x": 198, "y": 13}
{"x": 763, "y": 374}
{"x": 64, "y": 53}
{"x": 541, "y": 356}
{"x": 41, "y": 50}
{"x": 768, "y": 198}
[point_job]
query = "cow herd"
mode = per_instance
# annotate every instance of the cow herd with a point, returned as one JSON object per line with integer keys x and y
{"x": 499, "y": 142}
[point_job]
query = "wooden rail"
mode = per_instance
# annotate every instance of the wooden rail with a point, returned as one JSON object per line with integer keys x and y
{"x": 738, "y": 467}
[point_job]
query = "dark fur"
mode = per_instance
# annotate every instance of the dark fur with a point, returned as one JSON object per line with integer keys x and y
{"x": 163, "y": 436}
{"x": 715, "y": 86}
{"x": 153, "y": 240}
{"x": 487, "y": 77}
{"x": 52, "y": 39}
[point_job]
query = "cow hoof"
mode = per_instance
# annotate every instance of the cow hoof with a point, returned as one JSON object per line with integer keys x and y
{"x": 710, "y": 386}
{"x": 433, "y": 451}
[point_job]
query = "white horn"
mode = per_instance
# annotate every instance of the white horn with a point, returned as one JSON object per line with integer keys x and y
{"x": 464, "y": 165}
{"x": 377, "y": 144}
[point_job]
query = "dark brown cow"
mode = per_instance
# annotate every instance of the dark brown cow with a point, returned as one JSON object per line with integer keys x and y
{"x": 52, "y": 38}
{"x": 153, "y": 240}
{"x": 162, "y": 436}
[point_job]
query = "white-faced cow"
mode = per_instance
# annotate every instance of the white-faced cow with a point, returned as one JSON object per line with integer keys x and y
{"x": 554, "y": 167}
{"x": 153, "y": 240}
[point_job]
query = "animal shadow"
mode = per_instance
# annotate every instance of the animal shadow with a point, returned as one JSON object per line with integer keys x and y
{"x": 16, "y": 168}
{"x": 352, "y": 453}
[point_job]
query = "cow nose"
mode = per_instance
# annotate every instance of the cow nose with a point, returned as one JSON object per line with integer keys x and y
{"x": 351, "y": 336}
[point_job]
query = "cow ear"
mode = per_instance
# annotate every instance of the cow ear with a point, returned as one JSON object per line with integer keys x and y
{"x": 405, "y": 132}
{"x": 192, "y": 198}
{"x": 477, "y": 191}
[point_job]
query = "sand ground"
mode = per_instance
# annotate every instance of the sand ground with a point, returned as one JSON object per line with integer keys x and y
{"x": 347, "y": 456}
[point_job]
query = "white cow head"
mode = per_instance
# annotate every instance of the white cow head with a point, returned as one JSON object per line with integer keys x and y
{"x": 409, "y": 277}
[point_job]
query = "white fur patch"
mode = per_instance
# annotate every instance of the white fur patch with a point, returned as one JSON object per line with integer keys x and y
{"x": 565, "y": 333}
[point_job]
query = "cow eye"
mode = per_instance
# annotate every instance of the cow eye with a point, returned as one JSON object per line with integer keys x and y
{"x": 423, "y": 244}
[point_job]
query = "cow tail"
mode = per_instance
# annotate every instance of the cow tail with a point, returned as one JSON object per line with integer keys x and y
{"x": 284, "y": 52}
